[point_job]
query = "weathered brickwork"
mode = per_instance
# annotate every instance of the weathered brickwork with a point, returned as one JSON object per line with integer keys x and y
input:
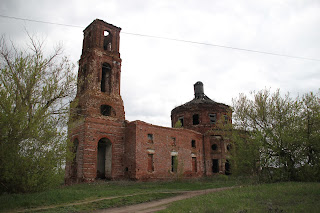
{"x": 106, "y": 146}
{"x": 205, "y": 115}
{"x": 201, "y": 114}
{"x": 165, "y": 143}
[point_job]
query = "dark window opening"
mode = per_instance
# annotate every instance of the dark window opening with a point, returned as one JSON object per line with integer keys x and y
{"x": 193, "y": 143}
{"x": 213, "y": 118}
{"x": 150, "y": 138}
{"x": 106, "y": 78}
{"x": 105, "y": 110}
{"x": 194, "y": 165}
{"x": 227, "y": 168}
{"x": 215, "y": 165}
{"x": 150, "y": 163}
{"x": 195, "y": 119}
{"x": 214, "y": 147}
{"x": 181, "y": 120}
{"x": 107, "y": 41}
{"x": 174, "y": 164}
{"x": 229, "y": 147}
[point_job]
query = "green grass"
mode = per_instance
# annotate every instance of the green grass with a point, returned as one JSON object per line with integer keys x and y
{"x": 251, "y": 197}
{"x": 276, "y": 197}
{"x": 103, "y": 189}
{"x": 116, "y": 202}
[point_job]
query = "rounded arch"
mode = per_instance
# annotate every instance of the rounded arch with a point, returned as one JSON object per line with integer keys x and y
{"x": 214, "y": 147}
{"x": 107, "y": 40}
{"x": 104, "y": 158}
{"x": 107, "y": 110}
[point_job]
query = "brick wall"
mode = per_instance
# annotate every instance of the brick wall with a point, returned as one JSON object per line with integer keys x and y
{"x": 165, "y": 143}
{"x": 204, "y": 111}
{"x": 215, "y": 145}
{"x": 130, "y": 150}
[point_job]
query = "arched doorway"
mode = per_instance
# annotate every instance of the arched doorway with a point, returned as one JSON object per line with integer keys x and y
{"x": 104, "y": 159}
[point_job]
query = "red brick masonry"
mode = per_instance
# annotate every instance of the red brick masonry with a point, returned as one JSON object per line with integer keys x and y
{"x": 108, "y": 146}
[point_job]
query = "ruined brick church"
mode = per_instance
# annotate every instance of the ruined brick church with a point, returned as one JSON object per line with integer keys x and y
{"x": 106, "y": 146}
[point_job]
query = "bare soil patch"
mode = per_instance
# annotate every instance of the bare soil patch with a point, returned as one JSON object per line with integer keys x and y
{"x": 160, "y": 204}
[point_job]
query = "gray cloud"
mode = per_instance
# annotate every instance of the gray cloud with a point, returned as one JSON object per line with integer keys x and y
{"x": 158, "y": 75}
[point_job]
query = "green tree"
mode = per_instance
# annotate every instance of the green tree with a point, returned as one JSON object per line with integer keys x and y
{"x": 34, "y": 93}
{"x": 178, "y": 124}
{"x": 245, "y": 154}
{"x": 310, "y": 137}
{"x": 281, "y": 135}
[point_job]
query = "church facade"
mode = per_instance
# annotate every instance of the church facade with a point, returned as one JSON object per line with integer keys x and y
{"x": 106, "y": 146}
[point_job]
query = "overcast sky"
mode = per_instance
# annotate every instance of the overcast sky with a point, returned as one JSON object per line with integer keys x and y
{"x": 158, "y": 74}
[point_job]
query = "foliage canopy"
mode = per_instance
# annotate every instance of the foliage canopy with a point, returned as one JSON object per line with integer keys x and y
{"x": 34, "y": 93}
{"x": 277, "y": 137}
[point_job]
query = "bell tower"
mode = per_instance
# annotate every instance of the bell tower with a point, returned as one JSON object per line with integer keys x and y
{"x": 100, "y": 69}
{"x": 97, "y": 113}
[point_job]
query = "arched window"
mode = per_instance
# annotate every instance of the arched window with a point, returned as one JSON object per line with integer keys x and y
{"x": 107, "y": 110}
{"x": 107, "y": 41}
{"x": 181, "y": 121}
{"x": 106, "y": 78}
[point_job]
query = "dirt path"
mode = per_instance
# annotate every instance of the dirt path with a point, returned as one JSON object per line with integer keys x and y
{"x": 79, "y": 203}
{"x": 157, "y": 205}
{"x": 143, "y": 207}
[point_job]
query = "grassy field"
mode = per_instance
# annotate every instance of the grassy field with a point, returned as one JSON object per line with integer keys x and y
{"x": 276, "y": 197}
{"x": 142, "y": 191}
{"x": 250, "y": 197}
{"x": 108, "y": 203}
